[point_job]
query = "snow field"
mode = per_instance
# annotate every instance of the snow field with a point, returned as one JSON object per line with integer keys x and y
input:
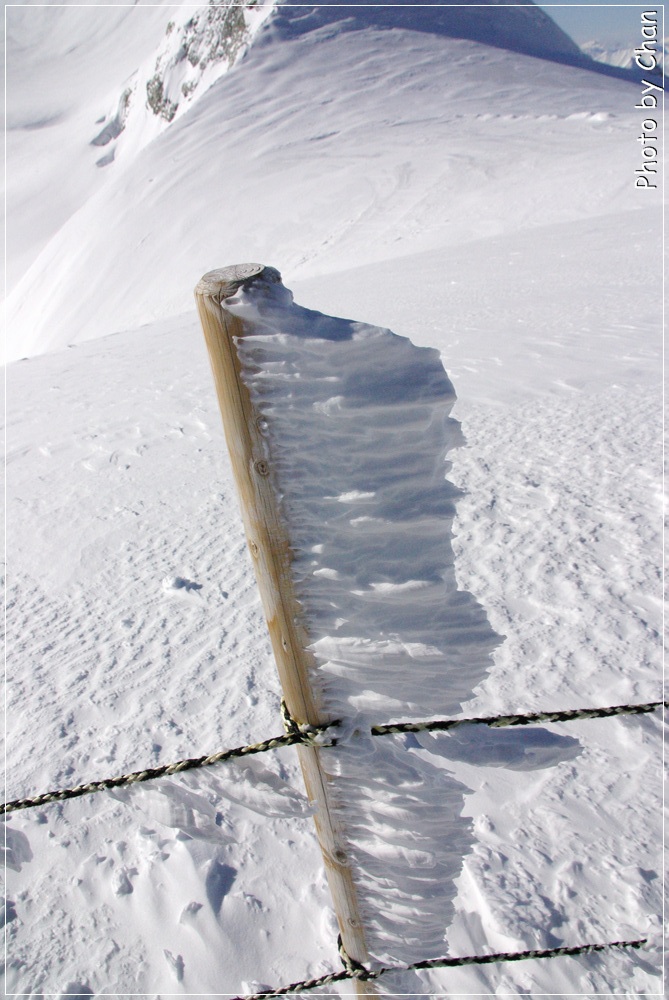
{"x": 103, "y": 636}
{"x": 582, "y": 612}
{"x": 575, "y": 860}
{"x": 478, "y": 203}
{"x": 79, "y": 57}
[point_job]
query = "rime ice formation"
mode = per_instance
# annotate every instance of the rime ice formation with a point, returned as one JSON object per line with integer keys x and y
{"x": 357, "y": 430}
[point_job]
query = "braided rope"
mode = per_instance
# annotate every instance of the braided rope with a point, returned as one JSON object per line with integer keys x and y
{"x": 521, "y": 956}
{"x": 150, "y": 773}
{"x": 497, "y": 721}
{"x": 305, "y": 984}
{"x": 353, "y": 969}
{"x": 314, "y": 736}
{"x": 306, "y": 733}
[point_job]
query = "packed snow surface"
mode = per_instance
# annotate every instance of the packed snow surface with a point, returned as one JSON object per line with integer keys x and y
{"x": 480, "y": 203}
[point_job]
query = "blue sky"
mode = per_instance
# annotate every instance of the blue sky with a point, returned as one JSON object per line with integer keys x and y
{"x": 601, "y": 22}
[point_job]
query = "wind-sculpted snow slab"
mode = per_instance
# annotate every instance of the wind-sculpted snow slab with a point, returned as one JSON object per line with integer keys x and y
{"x": 357, "y": 426}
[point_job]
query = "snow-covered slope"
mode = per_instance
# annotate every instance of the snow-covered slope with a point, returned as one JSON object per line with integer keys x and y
{"x": 518, "y": 27}
{"x": 476, "y": 200}
{"x": 62, "y": 65}
{"x": 90, "y": 87}
{"x": 338, "y": 145}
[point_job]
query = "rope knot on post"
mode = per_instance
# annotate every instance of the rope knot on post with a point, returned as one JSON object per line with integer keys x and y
{"x": 355, "y": 969}
{"x": 314, "y": 736}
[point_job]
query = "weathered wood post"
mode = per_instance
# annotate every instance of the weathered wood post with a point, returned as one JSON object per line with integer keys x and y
{"x": 270, "y": 549}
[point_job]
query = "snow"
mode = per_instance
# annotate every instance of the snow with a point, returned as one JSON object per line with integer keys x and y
{"x": 379, "y": 596}
{"x": 480, "y": 204}
{"x": 77, "y": 56}
{"x": 618, "y": 54}
{"x": 385, "y": 172}
{"x": 375, "y": 578}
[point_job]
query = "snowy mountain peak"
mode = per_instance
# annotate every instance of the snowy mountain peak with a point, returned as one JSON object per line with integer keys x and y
{"x": 619, "y": 54}
{"x": 346, "y": 115}
{"x": 200, "y": 44}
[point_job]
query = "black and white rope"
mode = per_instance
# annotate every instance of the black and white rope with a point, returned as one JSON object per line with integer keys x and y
{"x": 318, "y": 736}
{"x": 155, "y": 772}
{"x": 306, "y": 733}
{"x": 353, "y": 970}
{"x": 495, "y": 721}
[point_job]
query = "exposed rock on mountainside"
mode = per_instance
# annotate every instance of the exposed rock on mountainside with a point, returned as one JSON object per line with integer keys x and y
{"x": 214, "y": 34}
{"x": 197, "y": 48}
{"x": 201, "y": 44}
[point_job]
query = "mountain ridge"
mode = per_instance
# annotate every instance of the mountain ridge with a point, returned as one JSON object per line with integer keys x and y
{"x": 518, "y": 27}
{"x": 344, "y": 152}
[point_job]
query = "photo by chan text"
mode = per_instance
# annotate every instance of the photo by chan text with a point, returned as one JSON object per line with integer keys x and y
{"x": 651, "y": 102}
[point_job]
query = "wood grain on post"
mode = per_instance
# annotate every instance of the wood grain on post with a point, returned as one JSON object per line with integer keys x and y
{"x": 269, "y": 544}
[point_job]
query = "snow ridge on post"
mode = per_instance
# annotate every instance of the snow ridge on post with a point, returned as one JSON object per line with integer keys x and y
{"x": 269, "y": 545}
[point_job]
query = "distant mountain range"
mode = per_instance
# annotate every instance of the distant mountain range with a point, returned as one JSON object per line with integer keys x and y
{"x": 621, "y": 55}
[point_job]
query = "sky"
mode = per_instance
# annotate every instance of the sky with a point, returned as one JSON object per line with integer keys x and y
{"x": 601, "y": 22}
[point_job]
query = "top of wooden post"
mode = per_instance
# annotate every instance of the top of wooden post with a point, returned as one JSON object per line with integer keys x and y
{"x": 225, "y": 281}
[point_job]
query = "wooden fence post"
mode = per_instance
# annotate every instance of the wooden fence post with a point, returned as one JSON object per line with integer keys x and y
{"x": 269, "y": 545}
